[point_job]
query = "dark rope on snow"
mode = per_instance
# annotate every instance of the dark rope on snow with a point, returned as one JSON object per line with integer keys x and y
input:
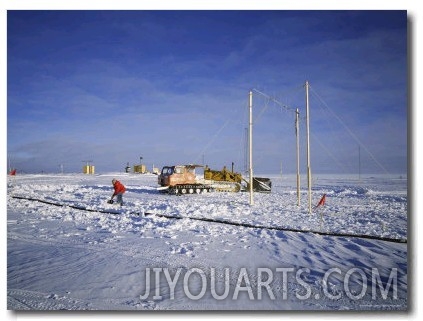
{"x": 82, "y": 208}
{"x": 363, "y": 236}
{"x": 204, "y": 219}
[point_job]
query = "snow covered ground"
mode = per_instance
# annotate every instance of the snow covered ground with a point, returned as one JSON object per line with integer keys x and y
{"x": 60, "y": 256}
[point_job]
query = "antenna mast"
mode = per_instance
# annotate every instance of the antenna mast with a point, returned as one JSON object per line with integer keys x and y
{"x": 297, "y": 134}
{"x": 308, "y": 148}
{"x": 250, "y": 143}
{"x": 359, "y": 163}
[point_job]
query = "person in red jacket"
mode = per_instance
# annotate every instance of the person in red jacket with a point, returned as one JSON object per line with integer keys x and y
{"x": 119, "y": 189}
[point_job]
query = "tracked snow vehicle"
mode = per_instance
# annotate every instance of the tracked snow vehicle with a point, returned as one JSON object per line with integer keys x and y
{"x": 181, "y": 179}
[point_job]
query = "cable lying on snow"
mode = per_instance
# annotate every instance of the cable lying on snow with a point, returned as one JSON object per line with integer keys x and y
{"x": 380, "y": 238}
{"x": 372, "y": 237}
{"x": 69, "y": 205}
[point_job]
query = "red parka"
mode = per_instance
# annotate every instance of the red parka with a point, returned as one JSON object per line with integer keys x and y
{"x": 119, "y": 188}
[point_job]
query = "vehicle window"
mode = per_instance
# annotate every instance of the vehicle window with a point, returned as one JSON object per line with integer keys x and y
{"x": 166, "y": 170}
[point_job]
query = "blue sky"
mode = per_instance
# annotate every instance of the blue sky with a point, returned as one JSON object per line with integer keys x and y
{"x": 172, "y": 87}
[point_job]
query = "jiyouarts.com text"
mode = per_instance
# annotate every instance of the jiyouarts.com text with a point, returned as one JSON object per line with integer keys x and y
{"x": 280, "y": 283}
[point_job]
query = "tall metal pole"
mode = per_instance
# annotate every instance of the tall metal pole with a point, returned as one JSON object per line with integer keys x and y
{"x": 281, "y": 169}
{"x": 246, "y": 151}
{"x": 250, "y": 141}
{"x": 359, "y": 163}
{"x": 297, "y": 134}
{"x": 308, "y": 148}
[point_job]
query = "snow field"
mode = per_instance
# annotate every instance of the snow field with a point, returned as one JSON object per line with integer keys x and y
{"x": 66, "y": 258}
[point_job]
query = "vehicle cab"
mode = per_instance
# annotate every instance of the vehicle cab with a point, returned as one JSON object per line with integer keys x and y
{"x": 174, "y": 175}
